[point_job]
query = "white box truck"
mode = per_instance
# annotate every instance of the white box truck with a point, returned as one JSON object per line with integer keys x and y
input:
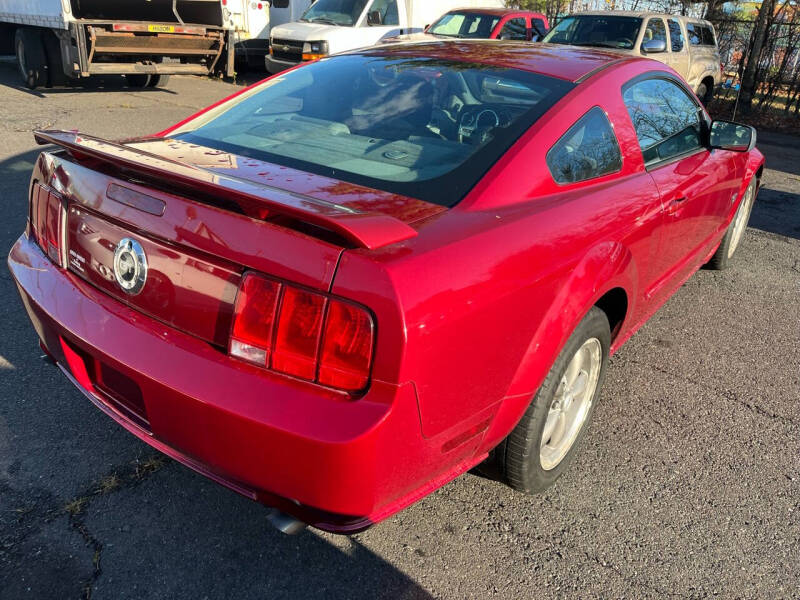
{"x": 252, "y": 20}
{"x": 331, "y": 26}
{"x": 145, "y": 40}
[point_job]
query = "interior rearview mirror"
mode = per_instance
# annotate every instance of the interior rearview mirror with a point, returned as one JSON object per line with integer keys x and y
{"x": 727, "y": 135}
{"x": 654, "y": 46}
{"x": 374, "y": 18}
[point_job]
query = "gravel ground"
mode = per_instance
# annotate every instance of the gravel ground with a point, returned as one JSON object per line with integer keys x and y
{"x": 687, "y": 485}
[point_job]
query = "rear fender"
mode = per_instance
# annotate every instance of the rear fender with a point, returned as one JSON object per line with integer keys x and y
{"x": 607, "y": 266}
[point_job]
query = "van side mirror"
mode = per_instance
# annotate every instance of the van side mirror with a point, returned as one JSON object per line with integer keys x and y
{"x": 727, "y": 135}
{"x": 374, "y": 18}
{"x": 654, "y": 46}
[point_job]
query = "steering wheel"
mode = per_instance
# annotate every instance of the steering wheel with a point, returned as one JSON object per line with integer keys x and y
{"x": 382, "y": 76}
{"x": 479, "y": 122}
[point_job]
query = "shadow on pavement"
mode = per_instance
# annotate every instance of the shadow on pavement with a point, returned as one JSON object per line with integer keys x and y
{"x": 9, "y": 77}
{"x": 777, "y": 208}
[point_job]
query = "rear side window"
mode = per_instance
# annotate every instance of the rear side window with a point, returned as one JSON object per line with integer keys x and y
{"x": 538, "y": 27}
{"x": 708, "y": 37}
{"x": 587, "y": 150}
{"x": 700, "y": 35}
{"x": 675, "y": 35}
{"x": 666, "y": 119}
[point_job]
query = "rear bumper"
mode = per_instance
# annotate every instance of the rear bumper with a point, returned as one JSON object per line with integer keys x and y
{"x": 335, "y": 463}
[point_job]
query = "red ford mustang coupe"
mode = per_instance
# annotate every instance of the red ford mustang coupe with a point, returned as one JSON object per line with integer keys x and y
{"x": 346, "y": 285}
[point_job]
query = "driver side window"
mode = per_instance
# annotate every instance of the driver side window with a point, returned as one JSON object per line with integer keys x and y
{"x": 514, "y": 29}
{"x": 666, "y": 119}
{"x": 655, "y": 31}
{"x": 388, "y": 11}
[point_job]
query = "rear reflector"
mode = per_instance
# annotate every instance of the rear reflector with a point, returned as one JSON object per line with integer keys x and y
{"x": 302, "y": 333}
{"x": 346, "y": 347}
{"x": 46, "y": 220}
{"x": 254, "y": 319}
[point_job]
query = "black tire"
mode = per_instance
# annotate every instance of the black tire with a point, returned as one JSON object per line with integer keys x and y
{"x": 158, "y": 81}
{"x": 31, "y": 59}
{"x": 520, "y": 453}
{"x": 732, "y": 240}
{"x": 55, "y": 68}
{"x": 137, "y": 80}
{"x": 705, "y": 92}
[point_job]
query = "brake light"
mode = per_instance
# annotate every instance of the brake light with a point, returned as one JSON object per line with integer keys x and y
{"x": 302, "y": 333}
{"x": 46, "y": 220}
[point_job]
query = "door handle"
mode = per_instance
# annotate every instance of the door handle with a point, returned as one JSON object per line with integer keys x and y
{"x": 675, "y": 205}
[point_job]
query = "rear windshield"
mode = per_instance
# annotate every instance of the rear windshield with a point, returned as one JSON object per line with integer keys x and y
{"x": 596, "y": 30}
{"x": 421, "y": 127}
{"x": 465, "y": 24}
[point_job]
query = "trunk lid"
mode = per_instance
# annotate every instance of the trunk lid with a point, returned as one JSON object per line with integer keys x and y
{"x": 205, "y": 218}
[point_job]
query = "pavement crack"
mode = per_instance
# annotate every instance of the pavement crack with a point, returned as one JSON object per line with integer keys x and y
{"x": 78, "y": 523}
{"x": 726, "y": 393}
{"x": 30, "y": 519}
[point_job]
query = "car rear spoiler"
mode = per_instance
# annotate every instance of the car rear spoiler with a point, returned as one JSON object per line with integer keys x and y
{"x": 363, "y": 229}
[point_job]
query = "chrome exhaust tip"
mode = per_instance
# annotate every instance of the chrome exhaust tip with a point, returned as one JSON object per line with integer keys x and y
{"x": 285, "y": 523}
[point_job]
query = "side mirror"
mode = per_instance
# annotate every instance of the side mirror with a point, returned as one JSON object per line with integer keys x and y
{"x": 654, "y": 46}
{"x": 374, "y": 18}
{"x": 727, "y": 135}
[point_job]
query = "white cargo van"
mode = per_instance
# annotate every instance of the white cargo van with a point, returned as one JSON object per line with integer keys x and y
{"x": 252, "y": 20}
{"x": 331, "y": 26}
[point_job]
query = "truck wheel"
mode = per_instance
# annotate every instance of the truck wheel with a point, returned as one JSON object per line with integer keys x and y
{"x": 735, "y": 233}
{"x": 30, "y": 57}
{"x": 544, "y": 442}
{"x": 55, "y": 68}
{"x": 705, "y": 92}
{"x": 160, "y": 81}
{"x": 137, "y": 81}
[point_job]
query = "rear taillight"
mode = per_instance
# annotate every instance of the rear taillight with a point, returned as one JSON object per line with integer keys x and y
{"x": 46, "y": 220}
{"x": 302, "y": 333}
{"x": 346, "y": 347}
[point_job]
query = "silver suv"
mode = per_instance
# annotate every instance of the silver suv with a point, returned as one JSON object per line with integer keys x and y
{"x": 686, "y": 44}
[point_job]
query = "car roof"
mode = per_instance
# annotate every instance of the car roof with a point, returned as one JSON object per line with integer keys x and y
{"x": 637, "y": 13}
{"x": 498, "y": 12}
{"x": 554, "y": 60}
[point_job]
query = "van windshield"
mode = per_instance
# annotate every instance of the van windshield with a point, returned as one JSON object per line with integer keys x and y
{"x": 596, "y": 30}
{"x": 335, "y": 12}
{"x": 428, "y": 128}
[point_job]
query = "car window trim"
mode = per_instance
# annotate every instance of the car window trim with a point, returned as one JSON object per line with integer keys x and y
{"x": 677, "y": 158}
{"x": 671, "y": 78}
{"x": 599, "y": 177}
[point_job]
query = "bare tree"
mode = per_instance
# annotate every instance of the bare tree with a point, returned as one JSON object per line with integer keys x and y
{"x": 760, "y": 30}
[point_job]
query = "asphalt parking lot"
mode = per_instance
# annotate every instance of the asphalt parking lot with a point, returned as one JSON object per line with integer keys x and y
{"x": 688, "y": 485}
